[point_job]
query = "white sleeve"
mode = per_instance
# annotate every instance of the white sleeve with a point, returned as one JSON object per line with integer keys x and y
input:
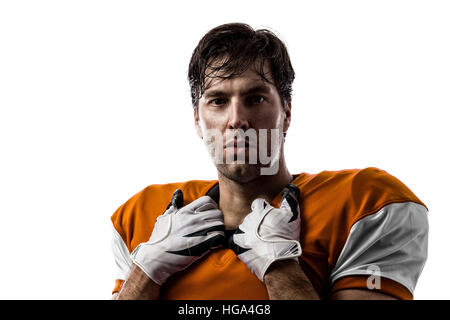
{"x": 394, "y": 241}
{"x": 121, "y": 255}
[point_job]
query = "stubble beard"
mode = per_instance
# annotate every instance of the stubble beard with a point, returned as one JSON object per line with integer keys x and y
{"x": 240, "y": 173}
{"x": 245, "y": 173}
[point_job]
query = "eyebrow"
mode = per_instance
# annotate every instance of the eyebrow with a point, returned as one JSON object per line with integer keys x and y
{"x": 255, "y": 89}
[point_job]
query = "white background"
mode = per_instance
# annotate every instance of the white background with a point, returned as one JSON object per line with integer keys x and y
{"x": 95, "y": 105}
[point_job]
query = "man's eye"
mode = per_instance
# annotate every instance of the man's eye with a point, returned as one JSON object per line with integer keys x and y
{"x": 256, "y": 99}
{"x": 217, "y": 101}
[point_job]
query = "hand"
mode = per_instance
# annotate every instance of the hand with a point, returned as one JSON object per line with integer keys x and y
{"x": 268, "y": 234}
{"x": 181, "y": 236}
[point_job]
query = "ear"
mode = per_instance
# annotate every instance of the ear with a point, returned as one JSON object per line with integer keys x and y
{"x": 287, "y": 117}
{"x": 197, "y": 123}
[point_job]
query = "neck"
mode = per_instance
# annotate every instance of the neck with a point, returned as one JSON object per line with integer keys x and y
{"x": 236, "y": 198}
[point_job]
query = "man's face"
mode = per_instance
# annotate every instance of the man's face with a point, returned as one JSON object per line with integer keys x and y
{"x": 242, "y": 109}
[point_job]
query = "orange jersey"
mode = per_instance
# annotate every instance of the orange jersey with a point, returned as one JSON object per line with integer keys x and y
{"x": 355, "y": 224}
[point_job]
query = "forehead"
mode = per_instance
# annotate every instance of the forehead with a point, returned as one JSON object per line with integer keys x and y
{"x": 252, "y": 76}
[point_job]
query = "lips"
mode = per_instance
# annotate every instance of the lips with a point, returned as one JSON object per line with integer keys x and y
{"x": 235, "y": 144}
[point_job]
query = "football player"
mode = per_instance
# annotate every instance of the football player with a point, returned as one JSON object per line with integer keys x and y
{"x": 259, "y": 231}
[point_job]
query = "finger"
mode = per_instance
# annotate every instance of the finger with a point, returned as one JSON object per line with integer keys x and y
{"x": 212, "y": 215}
{"x": 203, "y": 203}
{"x": 206, "y": 206}
{"x": 212, "y": 229}
{"x": 259, "y": 205}
{"x": 234, "y": 246}
{"x": 199, "y": 249}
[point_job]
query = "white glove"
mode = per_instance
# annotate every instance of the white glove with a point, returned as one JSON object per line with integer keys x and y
{"x": 269, "y": 234}
{"x": 181, "y": 236}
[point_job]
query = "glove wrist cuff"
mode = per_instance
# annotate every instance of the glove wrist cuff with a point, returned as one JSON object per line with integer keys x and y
{"x": 293, "y": 253}
{"x": 146, "y": 258}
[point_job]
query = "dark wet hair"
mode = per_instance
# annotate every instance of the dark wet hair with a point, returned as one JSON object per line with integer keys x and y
{"x": 230, "y": 49}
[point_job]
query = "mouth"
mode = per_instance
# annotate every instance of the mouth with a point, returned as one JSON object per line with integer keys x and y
{"x": 238, "y": 144}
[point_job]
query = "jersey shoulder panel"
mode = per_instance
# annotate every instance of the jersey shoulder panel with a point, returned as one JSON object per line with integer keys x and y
{"x": 355, "y": 193}
{"x": 333, "y": 201}
{"x": 373, "y": 188}
{"x": 135, "y": 219}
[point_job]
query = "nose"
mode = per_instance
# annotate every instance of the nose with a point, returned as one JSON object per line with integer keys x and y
{"x": 238, "y": 115}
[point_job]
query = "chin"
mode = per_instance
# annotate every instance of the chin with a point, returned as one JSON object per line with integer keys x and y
{"x": 241, "y": 173}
